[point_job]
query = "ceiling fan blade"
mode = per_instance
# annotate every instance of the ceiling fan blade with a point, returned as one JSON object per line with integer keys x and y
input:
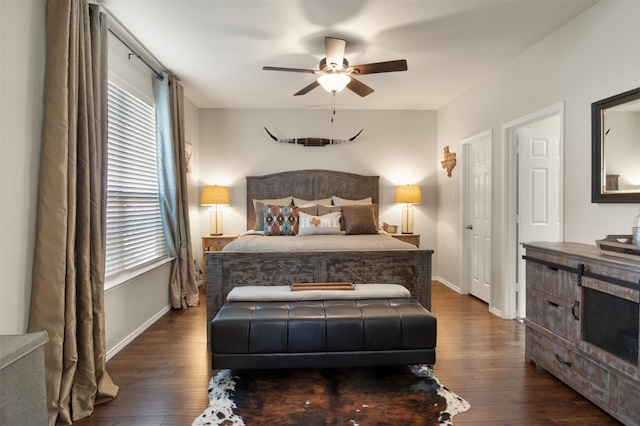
{"x": 308, "y": 88}
{"x": 335, "y": 51}
{"x": 289, "y": 69}
{"x": 378, "y": 67}
{"x": 359, "y": 87}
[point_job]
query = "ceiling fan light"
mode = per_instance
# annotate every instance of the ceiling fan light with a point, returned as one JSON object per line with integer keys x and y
{"x": 334, "y": 82}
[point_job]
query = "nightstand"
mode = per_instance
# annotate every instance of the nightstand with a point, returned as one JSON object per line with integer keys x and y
{"x": 408, "y": 238}
{"x": 213, "y": 243}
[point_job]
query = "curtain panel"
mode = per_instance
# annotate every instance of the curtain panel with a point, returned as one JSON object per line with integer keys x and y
{"x": 67, "y": 298}
{"x": 173, "y": 195}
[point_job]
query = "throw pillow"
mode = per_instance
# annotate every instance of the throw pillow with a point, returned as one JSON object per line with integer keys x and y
{"x": 300, "y": 202}
{"x": 311, "y": 209}
{"x": 337, "y": 201}
{"x": 280, "y": 220}
{"x": 322, "y": 210}
{"x": 259, "y": 204}
{"x": 319, "y": 225}
{"x": 359, "y": 220}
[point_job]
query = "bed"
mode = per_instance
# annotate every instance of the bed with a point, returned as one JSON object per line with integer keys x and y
{"x": 402, "y": 264}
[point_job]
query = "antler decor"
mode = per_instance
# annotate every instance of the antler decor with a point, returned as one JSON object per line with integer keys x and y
{"x": 314, "y": 141}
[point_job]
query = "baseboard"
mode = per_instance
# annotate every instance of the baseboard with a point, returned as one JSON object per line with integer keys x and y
{"x": 495, "y": 312}
{"x": 448, "y": 284}
{"x": 120, "y": 346}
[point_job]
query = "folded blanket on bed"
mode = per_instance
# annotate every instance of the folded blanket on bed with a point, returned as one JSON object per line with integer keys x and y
{"x": 367, "y": 242}
{"x": 282, "y": 293}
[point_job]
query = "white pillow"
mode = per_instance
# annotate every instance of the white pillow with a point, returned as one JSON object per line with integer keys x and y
{"x": 300, "y": 202}
{"x": 319, "y": 225}
{"x": 337, "y": 201}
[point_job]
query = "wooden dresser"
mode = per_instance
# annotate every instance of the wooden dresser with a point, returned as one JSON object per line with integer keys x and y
{"x": 582, "y": 323}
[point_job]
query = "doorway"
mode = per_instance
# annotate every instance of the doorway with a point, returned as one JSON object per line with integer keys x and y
{"x": 477, "y": 240}
{"x": 533, "y": 194}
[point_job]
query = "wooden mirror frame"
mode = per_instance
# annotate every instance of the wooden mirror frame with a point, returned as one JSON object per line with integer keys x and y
{"x": 597, "y": 195}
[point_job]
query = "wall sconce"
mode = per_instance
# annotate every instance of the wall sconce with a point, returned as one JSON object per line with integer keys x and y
{"x": 407, "y": 194}
{"x": 215, "y": 196}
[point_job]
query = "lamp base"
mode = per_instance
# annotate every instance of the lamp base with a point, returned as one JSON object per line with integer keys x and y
{"x": 215, "y": 221}
{"x": 407, "y": 219}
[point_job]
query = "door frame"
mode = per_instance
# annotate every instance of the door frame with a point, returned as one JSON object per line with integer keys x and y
{"x": 509, "y": 193}
{"x": 465, "y": 266}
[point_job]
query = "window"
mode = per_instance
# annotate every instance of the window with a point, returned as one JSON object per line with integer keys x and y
{"x": 135, "y": 235}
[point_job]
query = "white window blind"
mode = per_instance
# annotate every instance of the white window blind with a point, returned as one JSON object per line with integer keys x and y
{"x": 135, "y": 235}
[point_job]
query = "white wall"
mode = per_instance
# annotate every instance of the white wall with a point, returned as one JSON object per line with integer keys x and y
{"x": 595, "y": 56}
{"x": 22, "y": 27}
{"x": 398, "y": 146}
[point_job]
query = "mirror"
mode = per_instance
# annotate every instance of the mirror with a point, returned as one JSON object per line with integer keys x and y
{"x": 615, "y": 149}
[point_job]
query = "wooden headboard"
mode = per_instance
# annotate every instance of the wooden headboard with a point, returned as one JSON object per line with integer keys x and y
{"x": 310, "y": 185}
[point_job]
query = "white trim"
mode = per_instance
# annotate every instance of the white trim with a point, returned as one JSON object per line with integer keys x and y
{"x": 465, "y": 273}
{"x": 131, "y": 88}
{"x": 496, "y": 312}
{"x": 509, "y": 200}
{"x": 120, "y": 346}
{"x": 447, "y": 284}
{"x": 124, "y": 278}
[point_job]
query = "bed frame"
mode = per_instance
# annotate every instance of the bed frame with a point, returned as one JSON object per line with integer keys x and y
{"x": 226, "y": 270}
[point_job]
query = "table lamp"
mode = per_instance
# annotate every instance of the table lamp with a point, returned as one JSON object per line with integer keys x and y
{"x": 215, "y": 196}
{"x": 407, "y": 194}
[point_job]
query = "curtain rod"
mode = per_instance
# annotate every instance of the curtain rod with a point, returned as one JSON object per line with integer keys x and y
{"x": 133, "y": 52}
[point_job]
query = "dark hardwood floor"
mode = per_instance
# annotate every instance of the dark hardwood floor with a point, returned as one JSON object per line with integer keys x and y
{"x": 163, "y": 374}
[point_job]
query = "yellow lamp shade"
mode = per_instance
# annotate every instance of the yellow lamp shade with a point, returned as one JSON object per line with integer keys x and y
{"x": 408, "y": 194}
{"x": 215, "y": 195}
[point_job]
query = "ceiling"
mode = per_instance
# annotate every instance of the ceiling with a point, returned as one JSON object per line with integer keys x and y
{"x": 218, "y": 47}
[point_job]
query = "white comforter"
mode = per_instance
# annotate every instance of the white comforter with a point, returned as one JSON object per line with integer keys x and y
{"x": 367, "y": 242}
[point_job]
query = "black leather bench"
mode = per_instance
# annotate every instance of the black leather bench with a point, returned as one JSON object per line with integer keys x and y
{"x": 322, "y": 333}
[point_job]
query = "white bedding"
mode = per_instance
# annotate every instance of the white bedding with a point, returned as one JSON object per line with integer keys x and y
{"x": 367, "y": 242}
{"x": 282, "y": 293}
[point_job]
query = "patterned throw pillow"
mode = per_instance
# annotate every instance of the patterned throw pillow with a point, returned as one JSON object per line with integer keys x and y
{"x": 259, "y": 204}
{"x": 280, "y": 220}
{"x": 319, "y": 225}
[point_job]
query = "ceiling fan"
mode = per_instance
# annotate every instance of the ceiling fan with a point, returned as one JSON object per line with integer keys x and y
{"x": 336, "y": 74}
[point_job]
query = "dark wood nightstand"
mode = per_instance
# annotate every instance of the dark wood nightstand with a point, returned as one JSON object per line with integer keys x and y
{"x": 408, "y": 238}
{"x": 213, "y": 243}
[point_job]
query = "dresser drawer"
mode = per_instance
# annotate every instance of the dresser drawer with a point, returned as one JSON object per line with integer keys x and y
{"x": 575, "y": 370}
{"x": 217, "y": 242}
{"x": 557, "y": 282}
{"x": 554, "y": 314}
{"x": 628, "y": 400}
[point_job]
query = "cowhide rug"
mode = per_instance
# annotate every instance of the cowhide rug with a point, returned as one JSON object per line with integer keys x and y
{"x": 408, "y": 395}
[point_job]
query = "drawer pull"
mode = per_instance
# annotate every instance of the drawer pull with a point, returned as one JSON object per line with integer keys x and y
{"x": 561, "y": 361}
{"x": 574, "y": 308}
{"x": 555, "y": 305}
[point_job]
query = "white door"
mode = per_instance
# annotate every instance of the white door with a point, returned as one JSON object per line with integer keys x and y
{"x": 478, "y": 225}
{"x": 539, "y": 192}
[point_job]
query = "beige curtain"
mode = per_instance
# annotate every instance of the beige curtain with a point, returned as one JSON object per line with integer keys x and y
{"x": 172, "y": 185}
{"x": 67, "y": 298}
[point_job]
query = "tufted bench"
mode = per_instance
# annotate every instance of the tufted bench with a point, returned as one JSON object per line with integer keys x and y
{"x": 322, "y": 333}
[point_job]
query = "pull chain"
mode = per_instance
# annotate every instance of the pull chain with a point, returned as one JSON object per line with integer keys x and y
{"x": 333, "y": 105}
